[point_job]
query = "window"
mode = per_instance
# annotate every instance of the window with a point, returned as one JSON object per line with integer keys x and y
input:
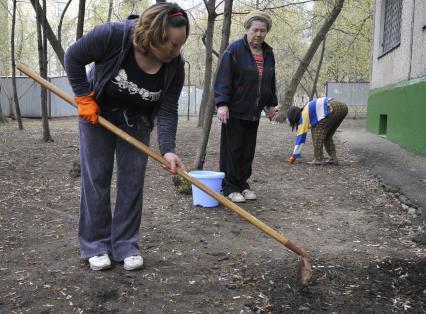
{"x": 391, "y": 24}
{"x": 424, "y": 15}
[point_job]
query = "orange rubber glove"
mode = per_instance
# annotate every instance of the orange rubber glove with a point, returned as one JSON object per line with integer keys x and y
{"x": 87, "y": 107}
{"x": 291, "y": 160}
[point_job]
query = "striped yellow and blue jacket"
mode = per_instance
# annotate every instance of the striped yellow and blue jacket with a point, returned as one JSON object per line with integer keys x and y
{"x": 312, "y": 113}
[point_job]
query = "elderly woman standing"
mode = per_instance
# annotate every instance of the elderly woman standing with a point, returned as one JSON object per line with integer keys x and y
{"x": 136, "y": 78}
{"x": 244, "y": 86}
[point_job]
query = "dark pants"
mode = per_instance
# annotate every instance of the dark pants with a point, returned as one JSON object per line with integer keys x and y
{"x": 101, "y": 231}
{"x": 322, "y": 133}
{"x": 237, "y": 148}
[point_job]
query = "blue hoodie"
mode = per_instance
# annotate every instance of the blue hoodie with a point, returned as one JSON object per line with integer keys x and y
{"x": 108, "y": 45}
{"x": 237, "y": 83}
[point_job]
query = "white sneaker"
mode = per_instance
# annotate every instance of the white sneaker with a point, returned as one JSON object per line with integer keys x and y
{"x": 249, "y": 195}
{"x": 236, "y": 197}
{"x": 100, "y": 262}
{"x": 133, "y": 262}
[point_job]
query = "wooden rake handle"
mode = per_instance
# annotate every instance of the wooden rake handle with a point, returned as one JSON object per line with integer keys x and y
{"x": 153, "y": 154}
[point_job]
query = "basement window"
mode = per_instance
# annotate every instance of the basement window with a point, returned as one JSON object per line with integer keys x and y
{"x": 383, "y": 124}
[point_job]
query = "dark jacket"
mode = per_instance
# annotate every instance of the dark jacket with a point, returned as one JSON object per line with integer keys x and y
{"x": 237, "y": 82}
{"x": 108, "y": 45}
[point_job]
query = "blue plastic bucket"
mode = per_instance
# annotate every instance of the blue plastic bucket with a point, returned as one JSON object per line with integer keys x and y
{"x": 213, "y": 180}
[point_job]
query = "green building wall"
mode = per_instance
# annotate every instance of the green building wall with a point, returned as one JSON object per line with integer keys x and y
{"x": 399, "y": 112}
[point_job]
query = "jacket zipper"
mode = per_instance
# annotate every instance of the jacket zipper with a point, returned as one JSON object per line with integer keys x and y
{"x": 260, "y": 81}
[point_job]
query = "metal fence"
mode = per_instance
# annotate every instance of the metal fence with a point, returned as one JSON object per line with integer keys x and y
{"x": 30, "y": 102}
{"x": 355, "y": 95}
{"x": 193, "y": 95}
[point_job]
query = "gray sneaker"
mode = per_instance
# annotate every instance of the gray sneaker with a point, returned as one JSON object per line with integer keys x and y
{"x": 316, "y": 162}
{"x": 249, "y": 195}
{"x": 236, "y": 197}
{"x": 331, "y": 161}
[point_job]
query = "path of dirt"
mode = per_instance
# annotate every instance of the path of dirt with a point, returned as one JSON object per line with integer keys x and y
{"x": 204, "y": 260}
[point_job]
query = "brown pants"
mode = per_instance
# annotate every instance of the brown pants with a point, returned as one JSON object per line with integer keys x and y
{"x": 322, "y": 133}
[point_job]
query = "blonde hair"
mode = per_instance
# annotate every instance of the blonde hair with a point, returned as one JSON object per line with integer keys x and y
{"x": 151, "y": 28}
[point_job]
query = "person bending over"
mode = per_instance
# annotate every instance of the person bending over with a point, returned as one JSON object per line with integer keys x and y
{"x": 136, "y": 79}
{"x": 323, "y": 116}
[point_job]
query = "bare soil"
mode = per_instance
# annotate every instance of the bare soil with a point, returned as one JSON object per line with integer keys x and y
{"x": 207, "y": 260}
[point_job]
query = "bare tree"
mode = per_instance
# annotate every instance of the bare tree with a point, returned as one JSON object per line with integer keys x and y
{"x": 308, "y": 70}
{"x": 12, "y": 50}
{"x": 314, "y": 84}
{"x": 54, "y": 42}
{"x": 226, "y": 29}
{"x": 211, "y": 11}
{"x": 80, "y": 19}
{"x": 297, "y": 76}
{"x": 42, "y": 57}
{"x": 22, "y": 36}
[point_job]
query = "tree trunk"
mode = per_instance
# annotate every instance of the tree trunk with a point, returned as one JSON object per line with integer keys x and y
{"x": 80, "y": 20}
{"x": 297, "y": 76}
{"x": 56, "y": 45}
{"x": 210, "y": 6}
{"x": 226, "y": 29}
{"x": 2, "y": 117}
{"x": 188, "y": 89}
{"x": 42, "y": 57}
{"x": 12, "y": 46}
{"x": 314, "y": 85}
{"x": 21, "y": 38}
{"x": 110, "y": 7}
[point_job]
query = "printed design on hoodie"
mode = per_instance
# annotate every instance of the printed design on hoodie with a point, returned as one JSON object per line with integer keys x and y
{"x": 122, "y": 82}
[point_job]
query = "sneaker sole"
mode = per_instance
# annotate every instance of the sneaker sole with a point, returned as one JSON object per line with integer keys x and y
{"x": 132, "y": 268}
{"x": 236, "y": 201}
{"x": 97, "y": 268}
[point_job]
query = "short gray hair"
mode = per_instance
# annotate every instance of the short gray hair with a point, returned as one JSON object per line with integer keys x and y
{"x": 258, "y": 16}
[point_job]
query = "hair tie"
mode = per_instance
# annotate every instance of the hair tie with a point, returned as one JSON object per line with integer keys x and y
{"x": 175, "y": 14}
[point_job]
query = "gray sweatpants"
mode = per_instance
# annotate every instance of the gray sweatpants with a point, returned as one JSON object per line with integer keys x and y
{"x": 101, "y": 231}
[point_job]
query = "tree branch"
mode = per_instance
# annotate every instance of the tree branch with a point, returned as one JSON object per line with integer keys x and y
{"x": 61, "y": 21}
{"x": 203, "y": 39}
